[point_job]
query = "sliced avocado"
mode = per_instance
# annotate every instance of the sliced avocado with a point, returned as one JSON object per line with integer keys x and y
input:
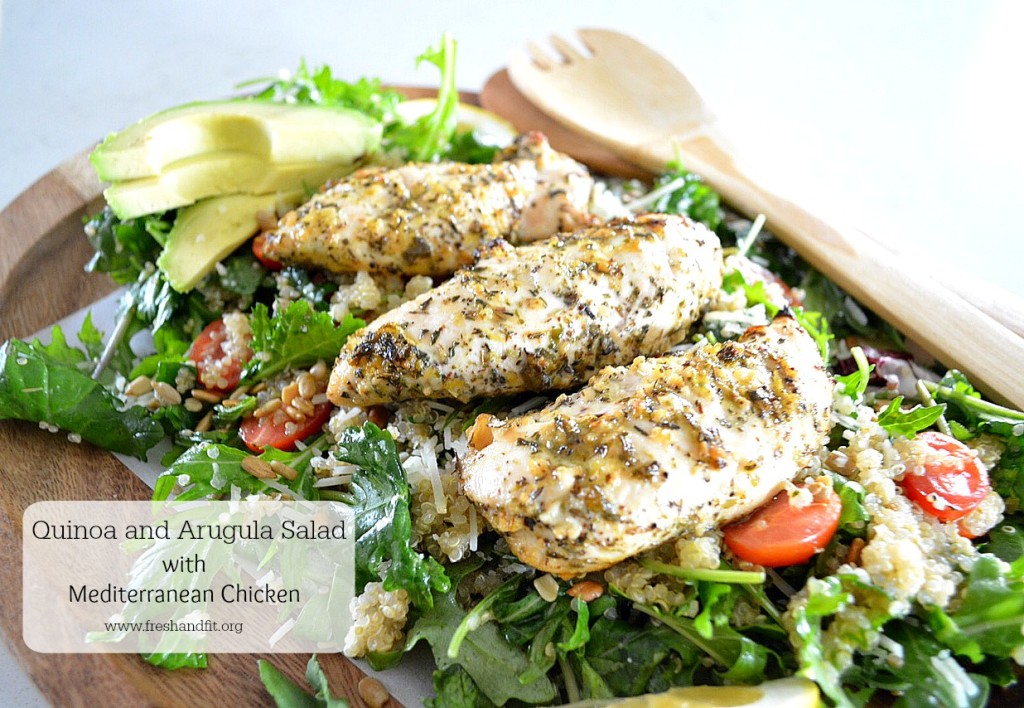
{"x": 215, "y": 174}
{"x": 204, "y": 233}
{"x": 272, "y": 132}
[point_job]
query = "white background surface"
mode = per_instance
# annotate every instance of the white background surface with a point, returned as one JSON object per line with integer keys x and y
{"x": 909, "y": 116}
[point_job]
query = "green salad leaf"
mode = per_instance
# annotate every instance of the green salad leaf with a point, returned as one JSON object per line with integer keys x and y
{"x": 176, "y": 661}
{"x": 288, "y": 694}
{"x": 208, "y": 470}
{"x": 633, "y": 660}
{"x": 925, "y": 675}
{"x": 125, "y": 249}
{"x": 320, "y": 86}
{"x": 744, "y": 660}
{"x": 51, "y": 383}
{"x": 429, "y": 137}
{"x": 295, "y": 337}
{"x": 824, "y": 598}
{"x": 487, "y": 657}
{"x": 455, "y": 688}
{"x": 755, "y": 293}
{"x": 898, "y": 422}
{"x": 691, "y": 196}
{"x": 988, "y": 620}
{"x": 380, "y": 494}
{"x": 1006, "y": 541}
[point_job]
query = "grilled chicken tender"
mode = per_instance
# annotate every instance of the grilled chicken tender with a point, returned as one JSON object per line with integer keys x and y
{"x": 539, "y": 317}
{"x": 429, "y": 219}
{"x": 659, "y": 449}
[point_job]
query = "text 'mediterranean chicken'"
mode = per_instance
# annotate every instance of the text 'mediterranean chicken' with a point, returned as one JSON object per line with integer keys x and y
{"x": 430, "y": 218}
{"x": 541, "y": 317}
{"x": 650, "y": 452}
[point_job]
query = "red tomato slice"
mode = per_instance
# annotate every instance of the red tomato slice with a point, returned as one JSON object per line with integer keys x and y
{"x": 258, "y": 433}
{"x": 259, "y": 245}
{"x": 781, "y": 534}
{"x": 947, "y": 485}
{"x": 217, "y": 371}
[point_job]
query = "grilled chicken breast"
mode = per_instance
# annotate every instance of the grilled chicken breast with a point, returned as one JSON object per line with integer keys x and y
{"x": 539, "y": 317}
{"x": 429, "y": 219}
{"x": 652, "y": 451}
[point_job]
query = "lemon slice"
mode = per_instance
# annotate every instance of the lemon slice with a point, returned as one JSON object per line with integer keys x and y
{"x": 490, "y": 128}
{"x": 792, "y": 692}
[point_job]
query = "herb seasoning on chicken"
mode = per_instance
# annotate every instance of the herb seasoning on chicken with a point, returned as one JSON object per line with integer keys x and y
{"x": 645, "y": 453}
{"x": 540, "y": 317}
{"x": 429, "y": 219}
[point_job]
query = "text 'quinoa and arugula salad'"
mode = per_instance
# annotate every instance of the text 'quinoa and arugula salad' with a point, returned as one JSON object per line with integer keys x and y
{"x": 601, "y": 438}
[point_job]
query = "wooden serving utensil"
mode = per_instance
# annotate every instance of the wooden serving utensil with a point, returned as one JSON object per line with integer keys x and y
{"x": 634, "y": 102}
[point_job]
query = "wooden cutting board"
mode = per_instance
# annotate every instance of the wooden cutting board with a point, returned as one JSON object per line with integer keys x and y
{"x": 42, "y": 279}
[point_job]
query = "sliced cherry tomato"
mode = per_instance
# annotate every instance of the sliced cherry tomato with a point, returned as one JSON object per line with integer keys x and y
{"x": 949, "y": 483}
{"x": 217, "y": 370}
{"x": 259, "y": 433}
{"x": 259, "y": 245}
{"x": 781, "y": 534}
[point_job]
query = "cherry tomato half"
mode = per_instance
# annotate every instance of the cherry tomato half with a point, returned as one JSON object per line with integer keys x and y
{"x": 779, "y": 533}
{"x": 258, "y": 433}
{"x": 259, "y": 245}
{"x": 217, "y": 370}
{"x": 950, "y": 482}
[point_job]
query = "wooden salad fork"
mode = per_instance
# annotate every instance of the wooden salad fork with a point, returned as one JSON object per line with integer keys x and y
{"x": 624, "y": 95}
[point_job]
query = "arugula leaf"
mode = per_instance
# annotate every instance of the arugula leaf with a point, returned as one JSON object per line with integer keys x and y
{"x": 897, "y": 422}
{"x": 383, "y": 525}
{"x": 316, "y": 293}
{"x": 744, "y": 659}
{"x": 692, "y": 197}
{"x": 716, "y": 604}
{"x": 429, "y": 137}
{"x": 927, "y": 675}
{"x": 627, "y": 657}
{"x": 317, "y": 679}
{"x": 856, "y": 383}
{"x": 296, "y": 336}
{"x": 488, "y": 658}
{"x": 320, "y": 86}
{"x": 454, "y": 688}
{"x": 756, "y": 293}
{"x": 816, "y": 325}
{"x": 206, "y": 470}
{"x": 824, "y": 598}
{"x": 242, "y": 273}
{"x": 49, "y": 383}
{"x": 285, "y": 692}
{"x": 854, "y": 517}
{"x": 467, "y": 147}
{"x": 845, "y": 315}
{"x": 124, "y": 248}
{"x": 1006, "y": 541}
{"x": 288, "y": 694}
{"x": 988, "y": 621}
{"x": 172, "y": 662}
